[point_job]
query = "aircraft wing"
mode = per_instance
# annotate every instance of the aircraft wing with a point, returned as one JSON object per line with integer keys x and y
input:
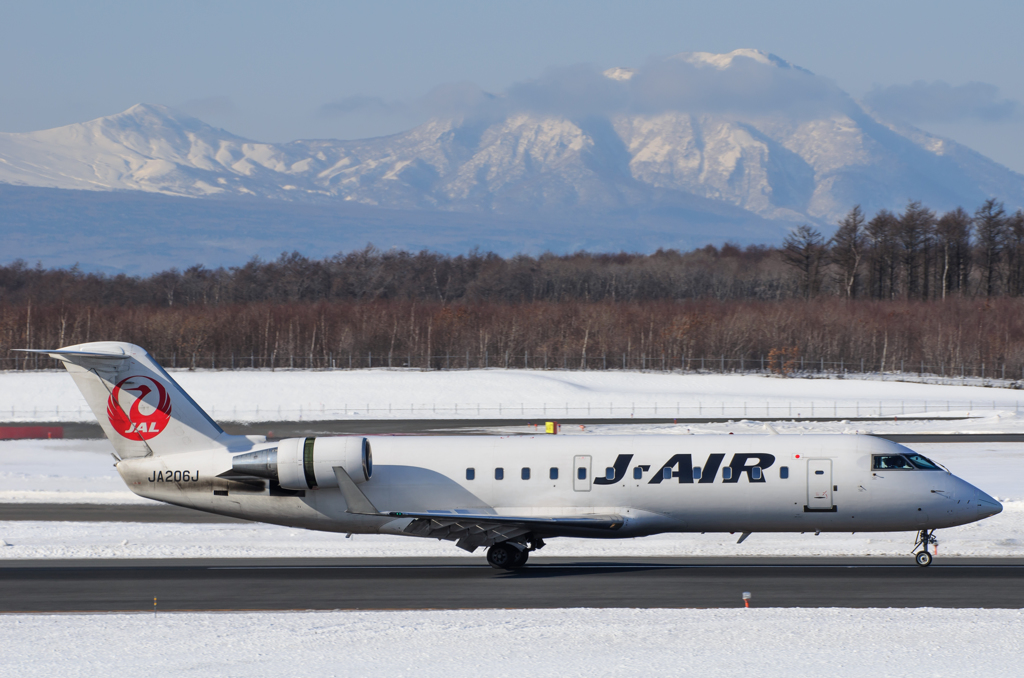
{"x": 471, "y": 530}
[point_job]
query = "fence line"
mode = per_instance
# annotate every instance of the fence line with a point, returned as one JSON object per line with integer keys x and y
{"x": 702, "y": 410}
{"x": 791, "y": 365}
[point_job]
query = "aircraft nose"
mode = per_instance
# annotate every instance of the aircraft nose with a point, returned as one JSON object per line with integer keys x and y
{"x": 987, "y": 506}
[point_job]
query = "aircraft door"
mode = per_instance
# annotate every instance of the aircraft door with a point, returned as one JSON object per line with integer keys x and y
{"x": 819, "y": 484}
{"x": 581, "y": 473}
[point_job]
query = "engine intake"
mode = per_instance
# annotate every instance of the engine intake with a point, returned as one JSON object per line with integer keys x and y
{"x": 307, "y": 463}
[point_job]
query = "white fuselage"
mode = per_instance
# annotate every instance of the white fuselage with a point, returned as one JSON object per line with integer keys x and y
{"x": 831, "y": 485}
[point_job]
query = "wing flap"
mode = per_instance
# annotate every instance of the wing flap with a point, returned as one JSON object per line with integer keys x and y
{"x": 586, "y": 520}
{"x": 470, "y": 531}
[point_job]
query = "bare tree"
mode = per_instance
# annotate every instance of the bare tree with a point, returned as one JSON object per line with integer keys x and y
{"x": 804, "y": 249}
{"x": 1015, "y": 255}
{"x": 847, "y": 250}
{"x": 883, "y": 264}
{"x": 953, "y": 236}
{"x": 914, "y": 232}
{"x": 990, "y": 230}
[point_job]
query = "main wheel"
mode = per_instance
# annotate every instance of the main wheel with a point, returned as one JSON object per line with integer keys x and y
{"x": 924, "y": 559}
{"x": 502, "y": 556}
{"x": 521, "y": 556}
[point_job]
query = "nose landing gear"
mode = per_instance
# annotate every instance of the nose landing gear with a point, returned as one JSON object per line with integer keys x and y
{"x": 924, "y": 539}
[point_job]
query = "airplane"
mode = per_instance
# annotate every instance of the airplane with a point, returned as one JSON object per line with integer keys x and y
{"x": 511, "y": 493}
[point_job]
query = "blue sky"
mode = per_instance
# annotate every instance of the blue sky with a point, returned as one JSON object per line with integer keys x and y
{"x": 283, "y": 71}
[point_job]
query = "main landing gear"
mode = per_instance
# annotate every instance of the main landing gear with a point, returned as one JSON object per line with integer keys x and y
{"x": 924, "y": 539}
{"x": 510, "y": 555}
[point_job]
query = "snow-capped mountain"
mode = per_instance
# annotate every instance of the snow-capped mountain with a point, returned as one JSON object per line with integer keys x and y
{"x": 744, "y": 138}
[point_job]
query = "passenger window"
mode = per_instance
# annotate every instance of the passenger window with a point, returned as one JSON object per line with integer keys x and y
{"x": 581, "y": 473}
{"x": 889, "y": 462}
{"x": 470, "y": 473}
{"x": 666, "y": 473}
{"x": 553, "y": 474}
{"x": 784, "y": 472}
{"x": 638, "y": 473}
{"x": 755, "y": 473}
{"x": 727, "y": 473}
{"x": 609, "y": 473}
{"x": 819, "y": 473}
{"x": 526, "y": 473}
{"x": 696, "y": 472}
{"x": 499, "y": 474}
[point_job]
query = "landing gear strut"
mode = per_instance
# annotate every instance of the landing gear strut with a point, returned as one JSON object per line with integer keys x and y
{"x": 511, "y": 555}
{"x": 924, "y": 539}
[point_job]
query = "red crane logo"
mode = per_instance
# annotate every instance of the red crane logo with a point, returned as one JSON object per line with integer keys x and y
{"x": 130, "y": 422}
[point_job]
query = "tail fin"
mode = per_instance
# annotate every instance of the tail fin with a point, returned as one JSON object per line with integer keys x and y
{"x": 141, "y": 409}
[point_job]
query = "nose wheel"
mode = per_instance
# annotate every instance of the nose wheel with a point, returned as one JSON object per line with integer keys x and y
{"x": 925, "y": 538}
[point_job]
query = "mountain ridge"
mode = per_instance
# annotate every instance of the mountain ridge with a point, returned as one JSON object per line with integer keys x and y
{"x": 731, "y": 143}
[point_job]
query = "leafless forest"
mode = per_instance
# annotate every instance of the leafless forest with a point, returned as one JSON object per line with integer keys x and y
{"x": 913, "y": 291}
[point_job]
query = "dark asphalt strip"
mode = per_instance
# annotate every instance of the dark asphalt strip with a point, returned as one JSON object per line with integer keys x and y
{"x": 380, "y": 584}
{"x": 300, "y": 429}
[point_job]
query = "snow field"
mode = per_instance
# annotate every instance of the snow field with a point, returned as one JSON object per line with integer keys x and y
{"x": 65, "y": 470}
{"x": 82, "y": 471}
{"x": 61, "y": 472}
{"x": 563, "y": 643}
{"x": 999, "y": 536}
{"x": 291, "y": 395}
{"x": 74, "y": 471}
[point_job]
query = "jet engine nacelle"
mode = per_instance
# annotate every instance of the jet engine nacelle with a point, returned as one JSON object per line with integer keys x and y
{"x": 305, "y": 463}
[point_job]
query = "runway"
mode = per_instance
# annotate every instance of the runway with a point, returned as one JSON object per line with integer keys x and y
{"x": 276, "y": 430}
{"x": 110, "y": 513}
{"x": 450, "y": 583}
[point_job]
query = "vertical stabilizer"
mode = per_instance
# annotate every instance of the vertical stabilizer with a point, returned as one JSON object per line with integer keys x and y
{"x": 141, "y": 408}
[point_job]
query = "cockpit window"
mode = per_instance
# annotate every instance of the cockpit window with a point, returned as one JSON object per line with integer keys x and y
{"x": 921, "y": 461}
{"x": 888, "y": 462}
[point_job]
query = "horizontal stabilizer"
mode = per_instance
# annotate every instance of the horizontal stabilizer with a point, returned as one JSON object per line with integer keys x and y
{"x": 56, "y": 353}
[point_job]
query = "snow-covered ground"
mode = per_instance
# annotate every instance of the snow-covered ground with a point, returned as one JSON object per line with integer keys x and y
{"x": 72, "y": 471}
{"x": 82, "y": 471}
{"x": 564, "y": 643}
{"x": 999, "y": 536}
{"x": 61, "y": 472}
{"x": 262, "y": 395}
{"x": 536, "y": 643}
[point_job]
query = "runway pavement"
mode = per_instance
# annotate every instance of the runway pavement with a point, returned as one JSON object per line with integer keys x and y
{"x": 110, "y": 513}
{"x": 448, "y": 583}
{"x": 298, "y": 429}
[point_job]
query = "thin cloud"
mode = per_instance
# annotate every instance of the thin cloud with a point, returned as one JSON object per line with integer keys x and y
{"x": 938, "y": 101}
{"x": 362, "y": 105}
{"x": 746, "y": 87}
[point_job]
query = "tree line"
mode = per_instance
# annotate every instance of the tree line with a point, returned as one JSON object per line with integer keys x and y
{"x": 916, "y": 254}
{"x": 964, "y": 336}
{"x": 912, "y": 291}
